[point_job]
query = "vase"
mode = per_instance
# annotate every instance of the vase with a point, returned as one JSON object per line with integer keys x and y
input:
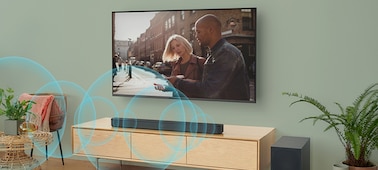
{"x": 11, "y": 126}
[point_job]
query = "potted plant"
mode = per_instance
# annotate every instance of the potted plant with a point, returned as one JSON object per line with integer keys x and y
{"x": 15, "y": 111}
{"x": 356, "y": 125}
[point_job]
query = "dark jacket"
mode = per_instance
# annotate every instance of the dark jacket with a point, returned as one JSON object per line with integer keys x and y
{"x": 225, "y": 75}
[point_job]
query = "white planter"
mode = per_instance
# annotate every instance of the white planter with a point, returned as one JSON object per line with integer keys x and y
{"x": 340, "y": 166}
{"x": 11, "y": 126}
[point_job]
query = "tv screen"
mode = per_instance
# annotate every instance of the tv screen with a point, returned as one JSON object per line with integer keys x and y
{"x": 153, "y": 51}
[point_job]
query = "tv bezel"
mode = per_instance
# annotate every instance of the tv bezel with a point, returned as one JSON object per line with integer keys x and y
{"x": 252, "y": 64}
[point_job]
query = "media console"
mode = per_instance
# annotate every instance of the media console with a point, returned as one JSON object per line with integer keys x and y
{"x": 237, "y": 148}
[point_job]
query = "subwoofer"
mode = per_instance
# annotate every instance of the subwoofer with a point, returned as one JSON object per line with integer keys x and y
{"x": 291, "y": 153}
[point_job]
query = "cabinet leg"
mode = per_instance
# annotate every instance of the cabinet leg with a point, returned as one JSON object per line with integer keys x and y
{"x": 97, "y": 164}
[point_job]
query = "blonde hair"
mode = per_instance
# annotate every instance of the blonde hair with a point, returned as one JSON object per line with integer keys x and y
{"x": 168, "y": 54}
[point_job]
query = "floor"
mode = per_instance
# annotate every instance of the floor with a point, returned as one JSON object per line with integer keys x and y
{"x": 72, "y": 164}
{"x": 76, "y": 164}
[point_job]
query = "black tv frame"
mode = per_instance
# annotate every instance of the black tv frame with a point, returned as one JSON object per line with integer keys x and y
{"x": 148, "y": 46}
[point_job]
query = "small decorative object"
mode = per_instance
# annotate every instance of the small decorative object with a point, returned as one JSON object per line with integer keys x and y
{"x": 27, "y": 127}
{"x": 15, "y": 111}
{"x": 356, "y": 126}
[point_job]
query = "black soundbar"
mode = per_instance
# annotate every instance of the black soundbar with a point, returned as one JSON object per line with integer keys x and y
{"x": 179, "y": 126}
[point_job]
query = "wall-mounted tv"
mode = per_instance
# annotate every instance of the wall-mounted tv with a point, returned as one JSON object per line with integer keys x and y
{"x": 148, "y": 54}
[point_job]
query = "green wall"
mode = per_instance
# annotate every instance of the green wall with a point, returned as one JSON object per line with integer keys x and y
{"x": 326, "y": 49}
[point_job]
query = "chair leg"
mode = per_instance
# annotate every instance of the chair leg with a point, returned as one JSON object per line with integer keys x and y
{"x": 60, "y": 147}
{"x": 31, "y": 152}
{"x": 46, "y": 153}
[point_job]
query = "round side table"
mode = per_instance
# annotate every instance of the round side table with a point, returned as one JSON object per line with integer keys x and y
{"x": 14, "y": 147}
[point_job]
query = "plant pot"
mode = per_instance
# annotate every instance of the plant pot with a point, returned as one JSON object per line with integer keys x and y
{"x": 11, "y": 126}
{"x": 340, "y": 166}
{"x": 362, "y": 168}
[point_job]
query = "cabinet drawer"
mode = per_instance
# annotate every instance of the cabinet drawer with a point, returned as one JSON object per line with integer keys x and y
{"x": 224, "y": 153}
{"x": 161, "y": 148}
{"x": 101, "y": 143}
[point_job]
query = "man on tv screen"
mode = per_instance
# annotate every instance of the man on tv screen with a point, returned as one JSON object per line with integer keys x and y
{"x": 225, "y": 74}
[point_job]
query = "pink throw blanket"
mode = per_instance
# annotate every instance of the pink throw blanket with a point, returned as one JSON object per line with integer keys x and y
{"x": 41, "y": 109}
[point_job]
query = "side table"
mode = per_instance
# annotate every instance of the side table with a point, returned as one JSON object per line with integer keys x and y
{"x": 14, "y": 147}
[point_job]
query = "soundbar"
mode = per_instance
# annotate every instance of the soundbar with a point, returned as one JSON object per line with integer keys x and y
{"x": 179, "y": 126}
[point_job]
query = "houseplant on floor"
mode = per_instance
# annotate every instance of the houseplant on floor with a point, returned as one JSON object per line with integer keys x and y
{"x": 14, "y": 110}
{"x": 356, "y": 125}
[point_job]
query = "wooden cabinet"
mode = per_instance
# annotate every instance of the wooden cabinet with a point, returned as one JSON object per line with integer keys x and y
{"x": 239, "y": 147}
{"x": 97, "y": 143}
{"x": 223, "y": 153}
{"x": 155, "y": 147}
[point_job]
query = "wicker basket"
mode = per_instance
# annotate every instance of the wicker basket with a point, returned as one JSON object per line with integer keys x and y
{"x": 13, "y": 149}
